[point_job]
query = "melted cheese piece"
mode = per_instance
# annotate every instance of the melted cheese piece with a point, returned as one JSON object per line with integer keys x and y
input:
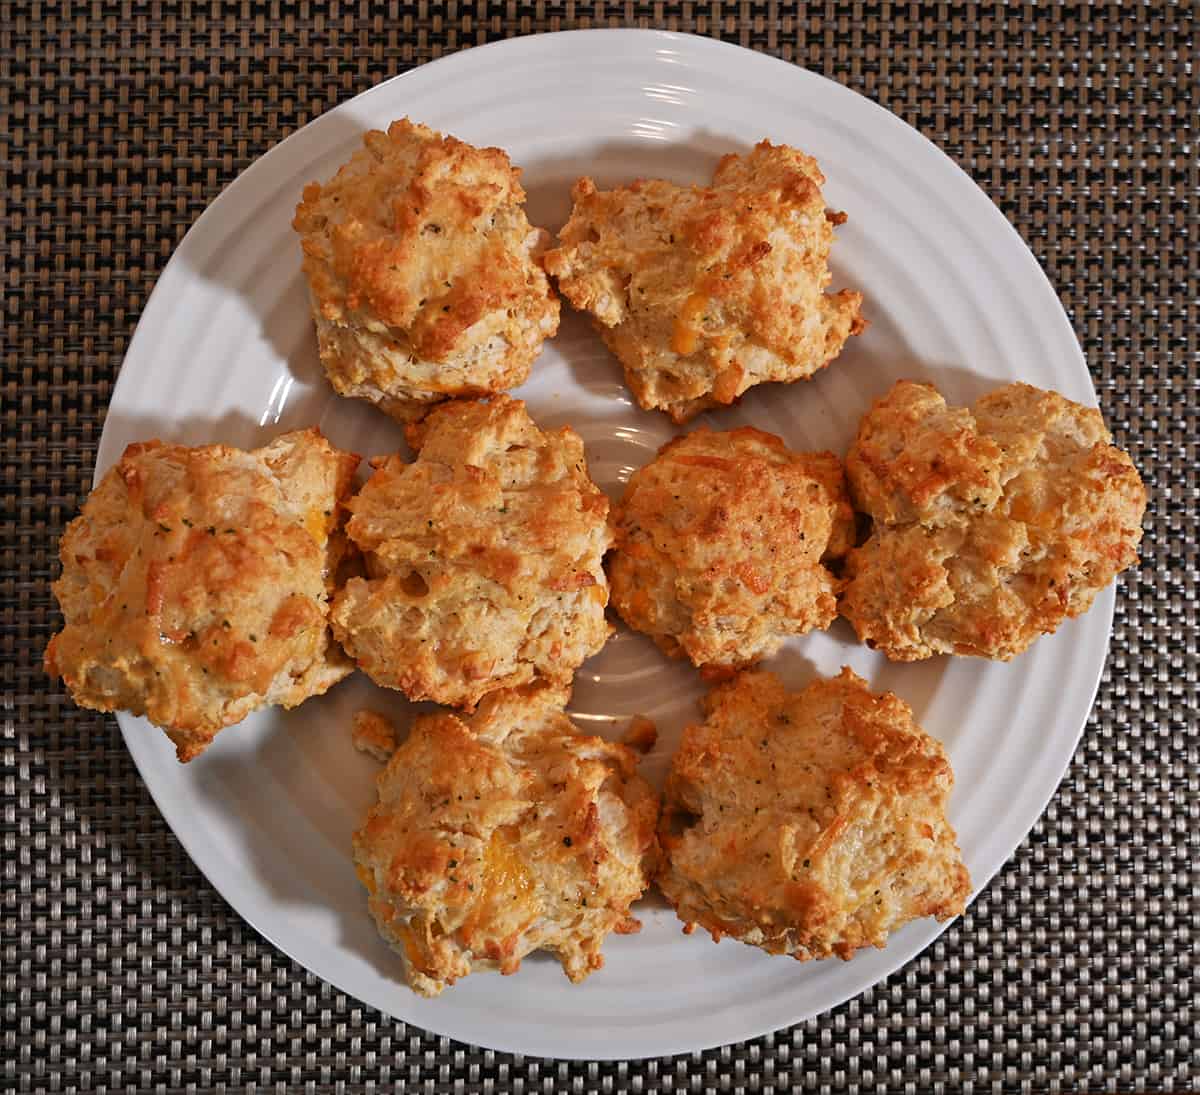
{"x": 316, "y": 524}
{"x": 505, "y": 882}
{"x": 505, "y": 875}
{"x": 408, "y": 940}
{"x": 685, "y": 337}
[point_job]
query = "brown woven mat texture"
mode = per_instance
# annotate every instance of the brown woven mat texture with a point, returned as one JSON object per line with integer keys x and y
{"x": 121, "y": 968}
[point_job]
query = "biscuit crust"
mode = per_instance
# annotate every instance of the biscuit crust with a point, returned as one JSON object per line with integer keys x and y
{"x": 483, "y": 558}
{"x": 723, "y": 542}
{"x": 809, "y": 824}
{"x": 424, "y": 272}
{"x": 195, "y": 584}
{"x": 702, "y": 292}
{"x": 992, "y": 523}
{"x": 505, "y": 833}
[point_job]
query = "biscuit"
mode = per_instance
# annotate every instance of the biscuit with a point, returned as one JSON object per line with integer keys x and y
{"x": 423, "y": 272}
{"x": 483, "y": 558}
{"x": 811, "y": 823}
{"x": 195, "y": 584}
{"x": 703, "y": 292}
{"x": 992, "y": 523}
{"x": 722, "y": 544}
{"x": 505, "y": 833}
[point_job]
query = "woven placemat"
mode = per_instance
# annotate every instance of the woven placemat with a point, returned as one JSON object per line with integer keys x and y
{"x": 120, "y": 968}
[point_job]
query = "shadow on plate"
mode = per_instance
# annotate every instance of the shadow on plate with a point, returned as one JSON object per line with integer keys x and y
{"x": 350, "y": 424}
{"x": 274, "y": 290}
{"x": 689, "y": 161}
{"x": 231, "y": 428}
{"x": 274, "y": 286}
{"x": 917, "y": 683}
{"x": 296, "y": 798}
{"x": 794, "y": 669}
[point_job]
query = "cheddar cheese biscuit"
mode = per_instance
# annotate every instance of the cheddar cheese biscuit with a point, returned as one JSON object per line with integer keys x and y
{"x": 723, "y": 542}
{"x": 992, "y": 523}
{"x": 809, "y": 824}
{"x": 505, "y": 833}
{"x": 702, "y": 292}
{"x": 195, "y": 584}
{"x": 423, "y": 272}
{"x": 483, "y": 558}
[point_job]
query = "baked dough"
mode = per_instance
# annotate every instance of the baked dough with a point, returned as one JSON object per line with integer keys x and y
{"x": 723, "y": 542}
{"x": 811, "y": 823}
{"x": 424, "y": 272}
{"x": 195, "y": 584}
{"x": 702, "y": 292}
{"x": 505, "y": 833}
{"x": 483, "y": 558}
{"x": 992, "y": 523}
{"x": 373, "y": 734}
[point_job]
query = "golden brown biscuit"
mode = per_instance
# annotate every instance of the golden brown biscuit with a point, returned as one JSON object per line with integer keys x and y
{"x": 483, "y": 558}
{"x": 809, "y": 823}
{"x": 502, "y": 834}
{"x": 423, "y": 271}
{"x": 195, "y": 584}
{"x": 993, "y": 523}
{"x": 702, "y": 292}
{"x": 721, "y": 545}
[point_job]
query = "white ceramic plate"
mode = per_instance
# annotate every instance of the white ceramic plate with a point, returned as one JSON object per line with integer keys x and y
{"x": 225, "y": 352}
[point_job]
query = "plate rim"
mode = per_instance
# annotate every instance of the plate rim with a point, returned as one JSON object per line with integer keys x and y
{"x": 132, "y": 727}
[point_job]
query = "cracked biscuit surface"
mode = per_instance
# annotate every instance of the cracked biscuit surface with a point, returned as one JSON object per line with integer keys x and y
{"x": 992, "y": 523}
{"x": 483, "y": 558}
{"x": 503, "y": 833}
{"x": 721, "y": 545}
{"x": 423, "y": 272}
{"x": 702, "y": 292}
{"x": 808, "y": 824}
{"x": 195, "y": 584}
